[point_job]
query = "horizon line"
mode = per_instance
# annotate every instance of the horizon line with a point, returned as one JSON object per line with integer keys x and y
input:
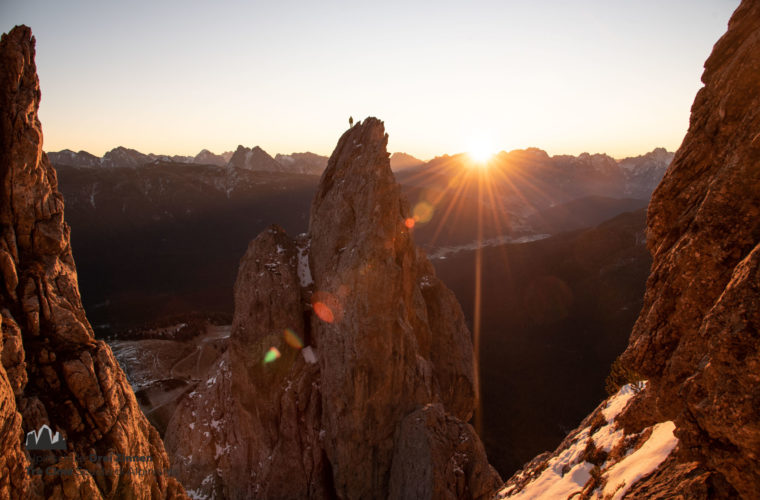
{"x": 443, "y": 155}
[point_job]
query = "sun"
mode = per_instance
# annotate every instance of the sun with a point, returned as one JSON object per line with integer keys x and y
{"x": 481, "y": 150}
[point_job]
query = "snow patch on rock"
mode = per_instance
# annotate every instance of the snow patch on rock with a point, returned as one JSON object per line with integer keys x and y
{"x": 568, "y": 472}
{"x": 642, "y": 462}
{"x": 304, "y": 271}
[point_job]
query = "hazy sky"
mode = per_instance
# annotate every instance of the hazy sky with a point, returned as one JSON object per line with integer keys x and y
{"x": 614, "y": 76}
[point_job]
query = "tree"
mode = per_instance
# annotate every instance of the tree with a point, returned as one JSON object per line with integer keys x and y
{"x": 350, "y": 121}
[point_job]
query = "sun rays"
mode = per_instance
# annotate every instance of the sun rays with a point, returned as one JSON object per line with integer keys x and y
{"x": 470, "y": 198}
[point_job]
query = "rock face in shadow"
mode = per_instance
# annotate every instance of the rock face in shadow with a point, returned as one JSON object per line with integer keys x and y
{"x": 251, "y": 430}
{"x": 438, "y": 456}
{"x": 696, "y": 338}
{"x": 53, "y": 370}
{"x": 349, "y": 365}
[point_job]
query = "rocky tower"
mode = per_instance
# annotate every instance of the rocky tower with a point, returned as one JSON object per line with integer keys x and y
{"x": 53, "y": 370}
{"x": 375, "y": 405}
{"x": 696, "y": 339}
{"x": 394, "y": 339}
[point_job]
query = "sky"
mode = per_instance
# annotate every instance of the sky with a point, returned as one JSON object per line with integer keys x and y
{"x": 173, "y": 77}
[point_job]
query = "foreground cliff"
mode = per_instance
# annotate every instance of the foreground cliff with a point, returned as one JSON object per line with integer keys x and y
{"x": 53, "y": 370}
{"x": 694, "y": 430}
{"x": 350, "y": 368}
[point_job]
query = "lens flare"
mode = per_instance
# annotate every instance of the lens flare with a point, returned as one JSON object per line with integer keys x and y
{"x": 272, "y": 354}
{"x": 423, "y": 212}
{"x": 327, "y": 306}
{"x": 323, "y": 312}
{"x": 409, "y": 223}
{"x": 292, "y": 339}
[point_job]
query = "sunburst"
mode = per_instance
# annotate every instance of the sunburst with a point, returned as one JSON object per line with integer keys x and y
{"x": 480, "y": 150}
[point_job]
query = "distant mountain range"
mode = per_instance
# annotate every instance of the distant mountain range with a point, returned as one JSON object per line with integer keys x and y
{"x": 150, "y": 217}
{"x": 400, "y": 161}
{"x": 545, "y": 181}
{"x": 530, "y": 173}
{"x": 255, "y": 159}
{"x": 302, "y": 163}
{"x": 525, "y": 193}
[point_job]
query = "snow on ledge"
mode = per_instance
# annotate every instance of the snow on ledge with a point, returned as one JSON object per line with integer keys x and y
{"x": 617, "y": 403}
{"x": 304, "y": 272}
{"x": 642, "y": 462}
{"x": 551, "y": 484}
{"x": 568, "y": 472}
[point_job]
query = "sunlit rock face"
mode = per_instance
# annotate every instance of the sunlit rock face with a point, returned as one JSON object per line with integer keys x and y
{"x": 696, "y": 339}
{"x": 350, "y": 364}
{"x": 53, "y": 370}
{"x": 697, "y": 333}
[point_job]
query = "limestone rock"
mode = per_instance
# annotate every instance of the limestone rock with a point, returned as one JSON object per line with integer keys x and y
{"x": 607, "y": 458}
{"x": 340, "y": 341}
{"x": 54, "y": 371}
{"x": 386, "y": 348}
{"x": 251, "y": 430}
{"x": 696, "y": 338}
{"x": 437, "y": 456}
{"x": 391, "y": 337}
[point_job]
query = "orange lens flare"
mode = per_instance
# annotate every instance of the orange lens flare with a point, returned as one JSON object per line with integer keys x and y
{"x": 409, "y": 223}
{"x": 327, "y": 306}
{"x": 292, "y": 339}
{"x": 323, "y": 312}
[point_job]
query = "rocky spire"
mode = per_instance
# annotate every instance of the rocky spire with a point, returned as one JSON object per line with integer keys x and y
{"x": 54, "y": 372}
{"x": 394, "y": 339}
{"x": 373, "y": 385}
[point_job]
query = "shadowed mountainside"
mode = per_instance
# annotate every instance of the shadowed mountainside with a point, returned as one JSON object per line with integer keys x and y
{"x": 176, "y": 231}
{"x": 555, "y": 314}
